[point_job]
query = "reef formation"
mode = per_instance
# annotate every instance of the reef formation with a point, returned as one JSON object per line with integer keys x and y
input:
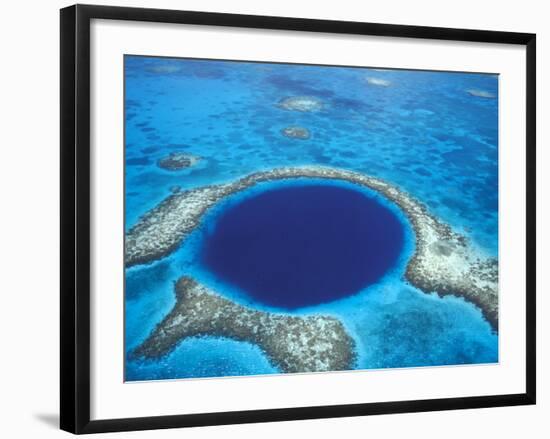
{"x": 481, "y": 94}
{"x": 301, "y": 103}
{"x": 312, "y": 343}
{"x": 379, "y": 82}
{"x": 177, "y": 160}
{"x": 164, "y": 69}
{"x": 296, "y": 132}
{"x": 444, "y": 261}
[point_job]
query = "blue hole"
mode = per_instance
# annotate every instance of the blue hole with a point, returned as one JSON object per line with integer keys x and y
{"x": 297, "y": 246}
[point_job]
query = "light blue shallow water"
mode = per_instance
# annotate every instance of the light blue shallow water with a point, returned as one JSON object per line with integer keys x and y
{"x": 423, "y": 133}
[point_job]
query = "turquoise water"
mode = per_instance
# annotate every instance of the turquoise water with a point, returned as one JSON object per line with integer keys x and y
{"x": 421, "y": 131}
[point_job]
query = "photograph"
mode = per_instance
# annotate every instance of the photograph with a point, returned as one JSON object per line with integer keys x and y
{"x": 285, "y": 218}
{"x": 267, "y": 220}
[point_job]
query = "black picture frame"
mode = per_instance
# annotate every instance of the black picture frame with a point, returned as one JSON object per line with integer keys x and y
{"x": 75, "y": 217}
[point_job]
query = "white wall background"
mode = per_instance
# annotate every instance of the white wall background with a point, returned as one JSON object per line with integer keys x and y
{"x": 29, "y": 170}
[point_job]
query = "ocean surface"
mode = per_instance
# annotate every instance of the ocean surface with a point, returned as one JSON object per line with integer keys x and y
{"x": 419, "y": 130}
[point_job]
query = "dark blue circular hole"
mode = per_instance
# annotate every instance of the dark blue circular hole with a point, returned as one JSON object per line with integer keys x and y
{"x": 296, "y": 246}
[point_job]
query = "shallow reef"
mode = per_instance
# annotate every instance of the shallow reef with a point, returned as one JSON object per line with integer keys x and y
{"x": 163, "y": 69}
{"x": 301, "y": 103}
{"x": 480, "y": 94}
{"x": 296, "y": 132}
{"x": 177, "y": 160}
{"x": 444, "y": 261}
{"x": 379, "y": 82}
{"x": 312, "y": 343}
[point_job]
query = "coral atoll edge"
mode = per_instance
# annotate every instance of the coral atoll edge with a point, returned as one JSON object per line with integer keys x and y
{"x": 443, "y": 262}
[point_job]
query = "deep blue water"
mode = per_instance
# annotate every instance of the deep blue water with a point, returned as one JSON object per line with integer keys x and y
{"x": 303, "y": 245}
{"x": 423, "y": 133}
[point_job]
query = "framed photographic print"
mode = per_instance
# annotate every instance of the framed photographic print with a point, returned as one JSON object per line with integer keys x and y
{"x": 268, "y": 218}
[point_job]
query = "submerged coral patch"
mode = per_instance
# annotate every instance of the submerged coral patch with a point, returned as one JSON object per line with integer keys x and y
{"x": 297, "y": 86}
{"x": 296, "y": 132}
{"x": 177, "y": 160}
{"x": 481, "y": 94}
{"x": 294, "y": 344}
{"x": 164, "y": 69}
{"x": 379, "y": 82}
{"x": 301, "y": 103}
